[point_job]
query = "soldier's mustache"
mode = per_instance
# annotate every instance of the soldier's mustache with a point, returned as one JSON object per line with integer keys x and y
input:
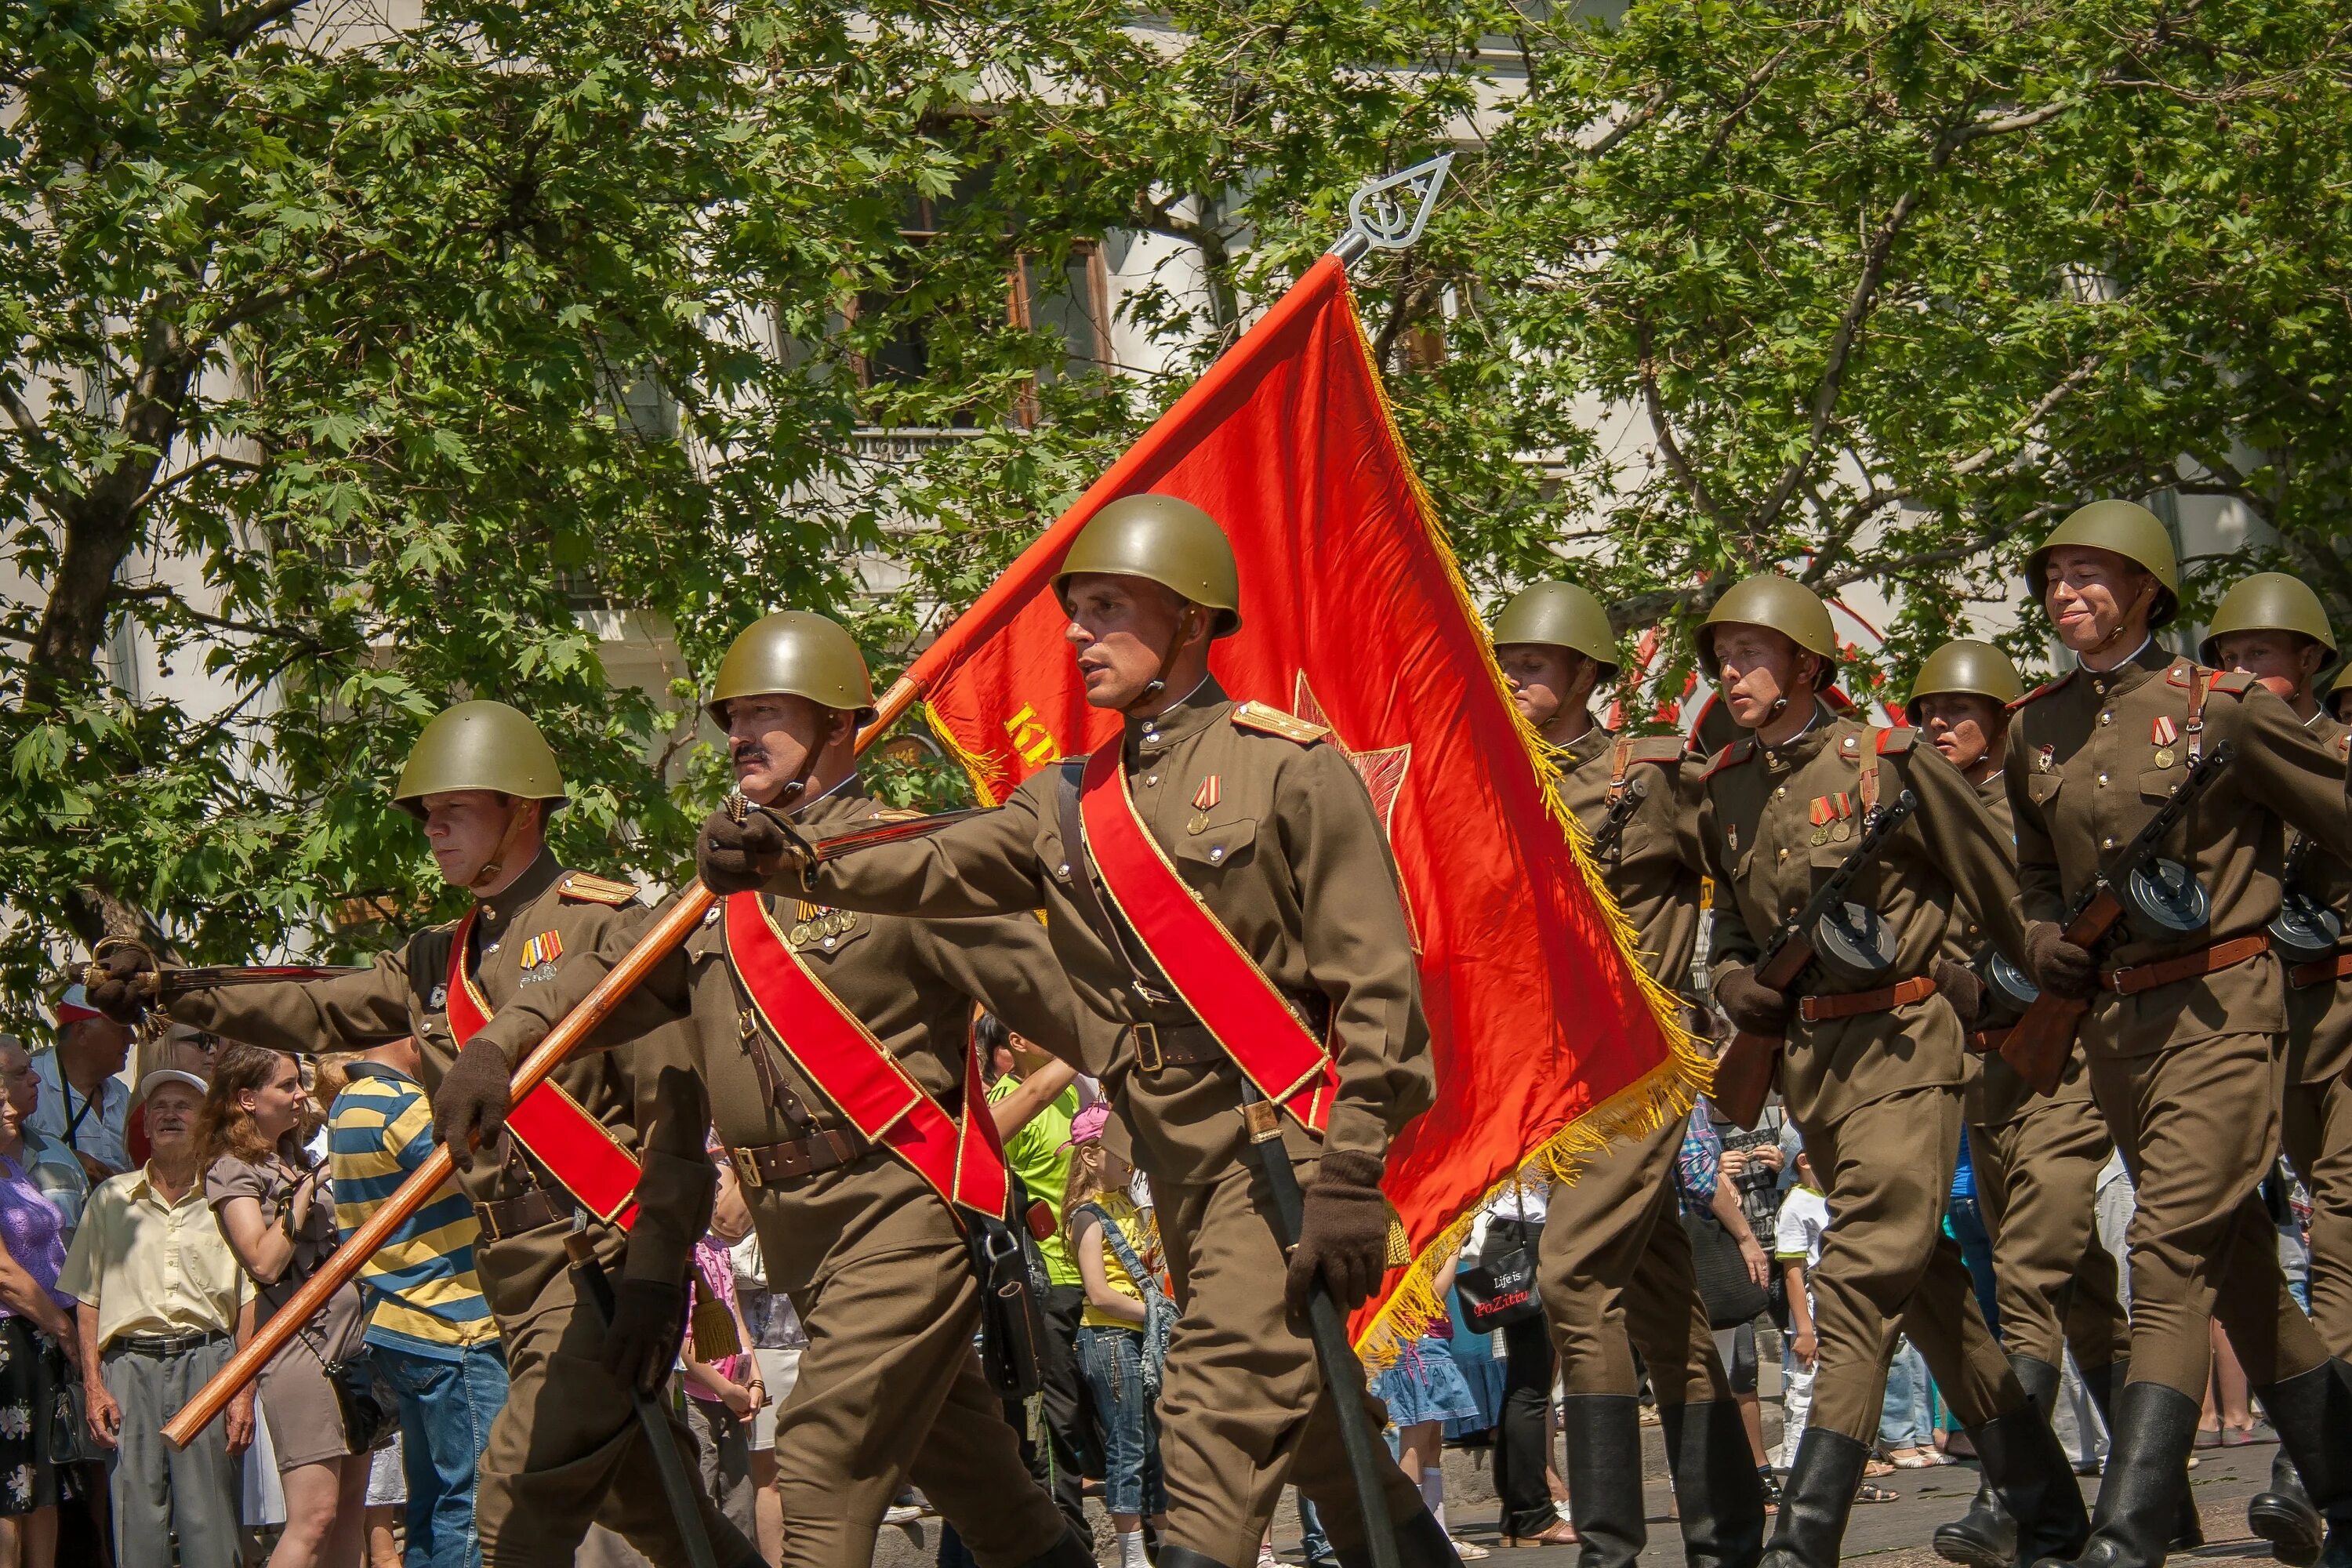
{"x": 748, "y": 752}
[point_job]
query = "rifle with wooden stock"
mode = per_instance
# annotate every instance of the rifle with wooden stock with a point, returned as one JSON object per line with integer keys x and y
{"x": 2037, "y": 1049}
{"x": 1743, "y": 1074}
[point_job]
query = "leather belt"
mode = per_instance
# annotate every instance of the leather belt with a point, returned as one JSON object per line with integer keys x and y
{"x": 1985, "y": 1042}
{"x": 1162, "y": 1045}
{"x": 164, "y": 1344}
{"x": 2321, "y": 971}
{"x": 822, "y": 1149}
{"x": 512, "y": 1217}
{"x": 1854, "y": 1004}
{"x": 2139, "y": 977}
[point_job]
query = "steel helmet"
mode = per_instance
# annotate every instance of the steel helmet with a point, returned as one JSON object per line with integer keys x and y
{"x": 2338, "y": 700}
{"x": 797, "y": 654}
{"x": 2268, "y": 602}
{"x": 1976, "y": 668}
{"x": 478, "y": 745}
{"x": 1559, "y": 614}
{"x": 1172, "y": 543}
{"x": 2129, "y": 529}
{"x": 1777, "y": 603}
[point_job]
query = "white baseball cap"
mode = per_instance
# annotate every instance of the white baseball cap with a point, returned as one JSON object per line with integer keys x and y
{"x": 163, "y": 1076}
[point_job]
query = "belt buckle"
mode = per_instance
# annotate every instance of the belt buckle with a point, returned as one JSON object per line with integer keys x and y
{"x": 1806, "y": 1010}
{"x": 747, "y": 1167}
{"x": 1147, "y": 1036}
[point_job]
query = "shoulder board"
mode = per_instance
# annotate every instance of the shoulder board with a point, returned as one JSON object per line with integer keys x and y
{"x": 2040, "y": 692}
{"x": 597, "y": 889}
{"x": 1895, "y": 741}
{"x": 2176, "y": 673}
{"x": 1270, "y": 720}
{"x": 1663, "y": 749}
{"x": 2237, "y": 683}
{"x": 2344, "y": 745}
{"x": 893, "y": 814}
{"x": 1731, "y": 756}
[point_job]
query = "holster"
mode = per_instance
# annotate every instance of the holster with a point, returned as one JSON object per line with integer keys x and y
{"x": 1011, "y": 1330}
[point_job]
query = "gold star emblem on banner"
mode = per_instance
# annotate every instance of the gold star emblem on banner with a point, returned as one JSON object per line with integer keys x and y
{"x": 1383, "y": 769}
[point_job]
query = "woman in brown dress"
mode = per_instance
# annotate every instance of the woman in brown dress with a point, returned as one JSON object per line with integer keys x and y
{"x": 277, "y": 1213}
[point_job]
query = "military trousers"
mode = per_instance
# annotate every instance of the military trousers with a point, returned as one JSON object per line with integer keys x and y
{"x": 568, "y": 1449}
{"x": 1243, "y": 1405}
{"x": 2315, "y": 1124}
{"x": 2038, "y": 1184}
{"x": 2198, "y": 1127}
{"x": 889, "y": 1388}
{"x": 1614, "y": 1270}
{"x": 1887, "y": 1268}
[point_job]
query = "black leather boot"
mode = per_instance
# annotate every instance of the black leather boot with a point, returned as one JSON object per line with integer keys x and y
{"x": 1186, "y": 1557}
{"x": 2313, "y": 1414}
{"x": 1986, "y": 1536}
{"x": 1715, "y": 1483}
{"x": 2187, "y": 1527}
{"x": 2148, "y": 1470}
{"x": 1815, "y": 1501}
{"x": 2024, "y": 1463}
{"x": 1421, "y": 1542}
{"x": 1603, "y": 1433}
{"x": 2284, "y": 1516}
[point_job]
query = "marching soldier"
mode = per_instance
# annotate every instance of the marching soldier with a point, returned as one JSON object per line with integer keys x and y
{"x": 1614, "y": 1261}
{"x": 567, "y": 1448}
{"x": 2273, "y": 628}
{"x": 2186, "y": 1014}
{"x": 861, "y": 1185}
{"x": 2037, "y": 1159}
{"x": 1297, "y": 936}
{"x": 2340, "y": 695}
{"x": 1872, "y": 1067}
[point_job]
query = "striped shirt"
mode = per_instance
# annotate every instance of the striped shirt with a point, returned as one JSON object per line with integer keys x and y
{"x": 426, "y": 1299}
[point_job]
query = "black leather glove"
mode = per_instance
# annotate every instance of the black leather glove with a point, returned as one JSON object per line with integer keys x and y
{"x": 733, "y": 857}
{"x": 1753, "y": 1007}
{"x": 2057, "y": 965}
{"x": 471, "y": 1105}
{"x": 1344, "y": 1234}
{"x": 648, "y": 1325}
{"x": 122, "y": 981}
{"x": 1959, "y": 985}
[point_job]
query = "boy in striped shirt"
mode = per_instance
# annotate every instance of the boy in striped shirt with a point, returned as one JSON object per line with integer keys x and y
{"x": 435, "y": 1341}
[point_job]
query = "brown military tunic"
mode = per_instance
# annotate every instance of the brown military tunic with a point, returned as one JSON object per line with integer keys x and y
{"x": 2037, "y": 1165}
{"x": 2316, "y": 1121}
{"x": 567, "y": 1448}
{"x": 1291, "y": 858}
{"x": 889, "y": 1389}
{"x": 1876, "y": 1094}
{"x": 1615, "y": 1263}
{"x": 2187, "y": 1073}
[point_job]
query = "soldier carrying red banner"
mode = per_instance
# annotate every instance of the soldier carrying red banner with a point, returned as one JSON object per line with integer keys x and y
{"x": 482, "y": 781}
{"x": 1254, "y": 947}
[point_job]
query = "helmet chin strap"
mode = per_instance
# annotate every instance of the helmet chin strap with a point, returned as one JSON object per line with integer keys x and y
{"x": 1158, "y": 682}
{"x": 2123, "y": 623}
{"x": 495, "y": 866}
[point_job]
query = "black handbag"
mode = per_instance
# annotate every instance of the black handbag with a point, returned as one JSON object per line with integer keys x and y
{"x": 371, "y": 1418}
{"x": 1730, "y": 1292}
{"x": 1499, "y": 1290}
{"x": 1010, "y": 1327}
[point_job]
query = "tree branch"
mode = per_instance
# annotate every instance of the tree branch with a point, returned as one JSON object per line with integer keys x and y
{"x": 2035, "y": 415}
{"x": 218, "y": 460}
{"x": 1655, "y": 406}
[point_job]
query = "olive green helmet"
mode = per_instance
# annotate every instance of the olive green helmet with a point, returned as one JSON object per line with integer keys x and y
{"x": 1966, "y": 667}
{"x": 2338, "y": 700}
{"x": 1172, "y": 543}
{"x": 1777, "y": 603}
{"x": 478, "y": 745}
{"x": 793, "y": 653}
{"x": 2268, "y": 602}
{"x": 2129, "y": 529}
{"x": 1559, "y": 614}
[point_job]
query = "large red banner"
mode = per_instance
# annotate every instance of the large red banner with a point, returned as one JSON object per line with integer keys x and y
{"x": 1547, "y": 1037}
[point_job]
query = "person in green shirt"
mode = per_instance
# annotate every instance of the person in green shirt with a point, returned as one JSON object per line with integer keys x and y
{"x": 1034, "y": 1098}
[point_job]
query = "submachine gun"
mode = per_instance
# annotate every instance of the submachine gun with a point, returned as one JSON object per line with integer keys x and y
{"x": 1847, "y": 938}
{"x": 2162, "y": 895}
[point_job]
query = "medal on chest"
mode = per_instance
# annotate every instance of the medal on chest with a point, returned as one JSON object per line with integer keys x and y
{"x": 2161, "y": 734}
{"x": 1832, "y": 819}
{"x": 538, "y": 957}
{"x": 818, "y": 926}
{"x": 1203, "y": 798}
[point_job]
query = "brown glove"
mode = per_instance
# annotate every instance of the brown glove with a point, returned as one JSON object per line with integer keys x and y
{"x": 120, "y": 982}
{"x": 733, "y": 857}
{"x": 1753, "y": 1007}
{"x": 648, "y": 1322}
{"x": 2057, "y": 965}
{"x": 1959, "y": 985}
{"x": 1343, "y": 1237}
{"x": 470, "y": 1106}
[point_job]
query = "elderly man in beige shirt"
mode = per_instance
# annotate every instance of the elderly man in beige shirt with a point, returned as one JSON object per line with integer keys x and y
{"x": 161, "y": 1297}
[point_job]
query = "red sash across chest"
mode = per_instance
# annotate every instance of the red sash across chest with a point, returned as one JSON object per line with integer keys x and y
{"x": 961, "y": 1159}
{"x": 556, "y": 1129}
{"x": 1221, "y": 983}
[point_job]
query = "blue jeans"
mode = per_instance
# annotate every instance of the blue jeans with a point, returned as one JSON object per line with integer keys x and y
{"x": 1903, "y": 1422}
{"x": 445, "y": 1410}
{"x": 1112, "y": 1359}
{"x": 1966, "y": 1222}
